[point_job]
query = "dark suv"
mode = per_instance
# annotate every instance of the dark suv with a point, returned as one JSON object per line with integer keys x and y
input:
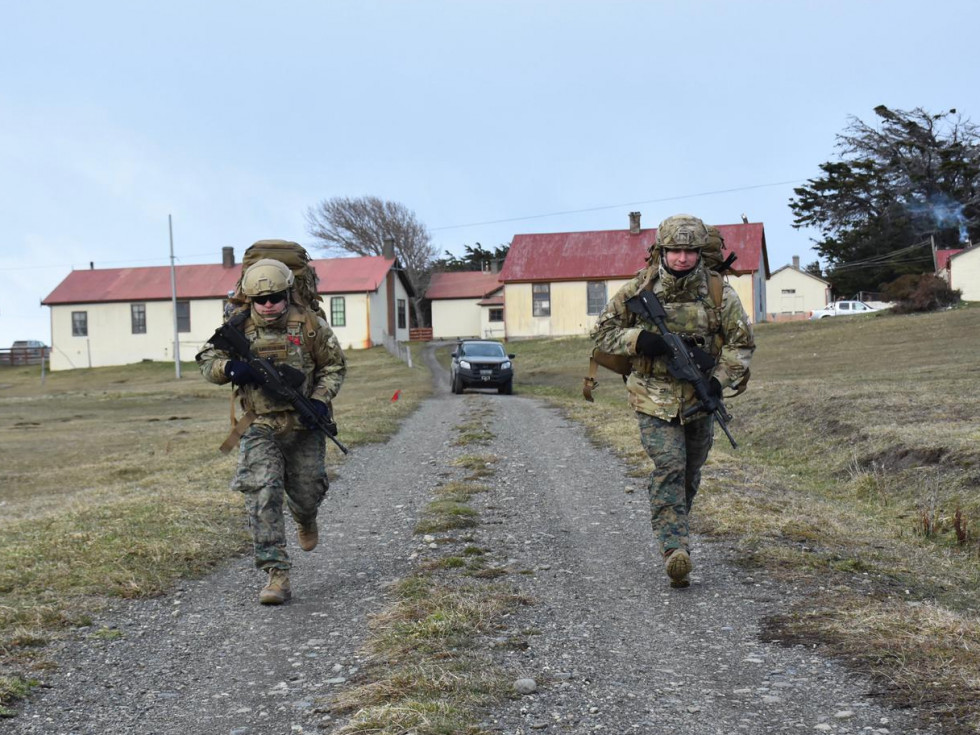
{"x": 481, "y": 363}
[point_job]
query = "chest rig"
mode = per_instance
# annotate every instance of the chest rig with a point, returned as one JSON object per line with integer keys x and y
{"x": 291, "y": 346}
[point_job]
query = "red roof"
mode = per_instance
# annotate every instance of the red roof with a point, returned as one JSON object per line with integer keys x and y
{"x": 337, "y": 275}
{"x": 606, "y": 254}
{"x": 346, "y": 275}
{"x": 462, "y": 285}
{"x": 943, "y": 256}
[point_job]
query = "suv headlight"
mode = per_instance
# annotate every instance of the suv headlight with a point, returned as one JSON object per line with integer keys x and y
{"x": 505, "y": 365}
{"x": 464, "y": 364}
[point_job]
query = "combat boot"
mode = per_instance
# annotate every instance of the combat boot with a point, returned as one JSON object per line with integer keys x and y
{"x": 276, "y": 590}
{"x": 308, "y": 535}
{"x": 679, "y": 566}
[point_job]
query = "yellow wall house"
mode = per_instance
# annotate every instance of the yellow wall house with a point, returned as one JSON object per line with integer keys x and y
{"x": 466, "y": 304}
{"x": 964, "y": 273}
{"x": 556, "y": 284}
{"x": 118, "y": 316}
{"x": 795, "y": 294}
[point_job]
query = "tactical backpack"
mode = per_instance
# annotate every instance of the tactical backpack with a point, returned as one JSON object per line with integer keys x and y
{"x": 293, "y": 255}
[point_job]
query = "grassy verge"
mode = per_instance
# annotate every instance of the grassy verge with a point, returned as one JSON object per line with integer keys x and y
{"x": 855, "y": 482}
{"x": 112, "y": 486}
{"x": 429, "y": 667}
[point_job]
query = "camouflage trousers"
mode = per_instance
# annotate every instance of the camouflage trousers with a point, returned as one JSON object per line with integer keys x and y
{"x": 276, "y": 468}
{"x": 678, "y": 453}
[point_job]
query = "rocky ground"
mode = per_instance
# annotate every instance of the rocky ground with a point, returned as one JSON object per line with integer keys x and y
{"x": 610, "y": 647}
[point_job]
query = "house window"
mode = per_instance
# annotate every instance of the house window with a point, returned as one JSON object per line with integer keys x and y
{"x": 137, "y": 313}
{"x": 79, "y": 324}
{"x": 788, "y": 291}
{"x": 596, "y": 291}
{"x": 401, "y": 313}
{"x": 183, "y": 316}
{"x": 338, "y": 311}
{"x": 541, "y": 299}
{"x": 496, "y": 315}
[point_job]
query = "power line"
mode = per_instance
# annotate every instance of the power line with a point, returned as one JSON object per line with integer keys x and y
{"x": 616, "y": 206}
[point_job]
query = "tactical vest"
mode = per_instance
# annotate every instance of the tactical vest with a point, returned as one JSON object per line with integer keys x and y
{"x": 710, "y": 336}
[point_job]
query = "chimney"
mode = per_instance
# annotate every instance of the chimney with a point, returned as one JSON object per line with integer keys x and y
{"x": 388, "y": 247}
{"x": 796, "y": 262}
{"x": 634, "y": 223}
{"x": 91, "y": 265}
{"x": 227, "y": 257}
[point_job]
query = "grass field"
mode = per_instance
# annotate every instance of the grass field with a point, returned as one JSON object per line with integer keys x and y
{"x": 856, "y": 481}
{"x": 112, "y": 486}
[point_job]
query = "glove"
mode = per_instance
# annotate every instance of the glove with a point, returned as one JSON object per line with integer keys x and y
{"x": 322, "y": 411}
{"x": 292, "y": 376}
{"x": 702, "y": 359}
{"x": 651, "y": 345}
{"x": 714, "y": 388}
{"x": 241, "y": 373}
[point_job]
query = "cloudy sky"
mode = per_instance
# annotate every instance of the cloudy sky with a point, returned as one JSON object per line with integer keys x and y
{"x": 487, "y": 118}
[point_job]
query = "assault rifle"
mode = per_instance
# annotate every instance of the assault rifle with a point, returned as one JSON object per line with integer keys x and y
{"x": 278, "y": 382}
{"x": 680, "y": 364}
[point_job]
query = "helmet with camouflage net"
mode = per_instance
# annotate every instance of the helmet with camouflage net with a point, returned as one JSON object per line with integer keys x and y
{"x": 266, "y": 276}
{"x": 682, "y": 232}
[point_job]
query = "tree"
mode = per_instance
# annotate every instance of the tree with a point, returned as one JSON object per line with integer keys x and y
{"x": 362, "y": 225}
{"x": 476, "y": 258}
{"x": 910, "y": 182}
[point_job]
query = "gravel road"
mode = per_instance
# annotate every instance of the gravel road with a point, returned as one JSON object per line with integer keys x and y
{"x": 614, "y": 649}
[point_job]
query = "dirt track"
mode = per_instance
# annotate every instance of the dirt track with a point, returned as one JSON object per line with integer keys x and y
{"x": 614, "y": 649}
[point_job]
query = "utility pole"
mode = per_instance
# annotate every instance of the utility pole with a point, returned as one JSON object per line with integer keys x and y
{"x": 173, "y": 296}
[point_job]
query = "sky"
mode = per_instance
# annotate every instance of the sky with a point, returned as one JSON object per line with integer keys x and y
{"x": 486, "y": 118}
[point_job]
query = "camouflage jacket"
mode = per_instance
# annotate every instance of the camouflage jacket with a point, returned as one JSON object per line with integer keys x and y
{"x": 298, "y": 338}
{"x": 725, "y": 332}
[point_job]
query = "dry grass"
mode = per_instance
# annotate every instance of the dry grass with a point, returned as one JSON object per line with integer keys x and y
{"x": 429, "y": 669}
{"x": 112, "y": 484}
{"x": 856, "y": 477}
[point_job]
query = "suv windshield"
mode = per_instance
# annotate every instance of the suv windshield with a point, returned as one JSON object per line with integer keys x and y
{"x": 482, "y": 350}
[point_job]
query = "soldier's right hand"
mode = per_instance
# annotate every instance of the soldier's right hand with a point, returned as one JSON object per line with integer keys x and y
{"x": 241, "y": 373}
{"x": 651, "y": 344}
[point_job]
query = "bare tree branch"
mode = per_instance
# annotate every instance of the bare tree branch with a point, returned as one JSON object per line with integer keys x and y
{"x": 361, "y": 225}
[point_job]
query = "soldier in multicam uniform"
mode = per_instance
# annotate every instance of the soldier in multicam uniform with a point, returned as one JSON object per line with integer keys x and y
{"x": 280, "y": 459}
{"x": 722, "y": 342}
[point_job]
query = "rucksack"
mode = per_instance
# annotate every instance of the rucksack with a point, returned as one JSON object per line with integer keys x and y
{"x": 623, "y": 364}
{"x": 293, "y": 255}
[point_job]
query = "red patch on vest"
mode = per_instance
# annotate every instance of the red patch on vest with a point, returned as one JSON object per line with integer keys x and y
{"x": 294, "y": 339}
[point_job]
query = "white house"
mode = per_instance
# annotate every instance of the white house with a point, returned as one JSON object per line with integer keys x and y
{"x": 118, "y": 316}
{"x": 964, "y": 273}
{"x": 466, "y": 304}
{"x": 793, "y": 294}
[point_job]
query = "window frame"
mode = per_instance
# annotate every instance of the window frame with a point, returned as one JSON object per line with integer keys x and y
{"x": 401, "y": 313}
{"x": 137, "y": 317}
{"x": 540, "y": 299}
{"x": 338, "y": 311}
{"x": 183, "y": 320}
{"x": 593, "y": 307}
{"x": 79, "y": 324}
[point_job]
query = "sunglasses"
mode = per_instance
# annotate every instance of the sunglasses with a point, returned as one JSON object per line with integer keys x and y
{"x": 272, "y": 298}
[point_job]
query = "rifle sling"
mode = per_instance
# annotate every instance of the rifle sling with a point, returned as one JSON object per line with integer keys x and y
{"x": 238, "y": 426}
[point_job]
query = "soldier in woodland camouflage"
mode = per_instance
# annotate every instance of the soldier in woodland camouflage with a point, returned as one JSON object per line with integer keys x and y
{"x": 281, "y": 461}
{"x": 722, "y": 342}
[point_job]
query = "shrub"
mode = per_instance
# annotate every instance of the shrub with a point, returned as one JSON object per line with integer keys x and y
{"x": 925, "y": 292}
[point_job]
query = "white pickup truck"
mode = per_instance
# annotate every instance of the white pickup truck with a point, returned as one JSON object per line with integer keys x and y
{"x": 846, "y": 308}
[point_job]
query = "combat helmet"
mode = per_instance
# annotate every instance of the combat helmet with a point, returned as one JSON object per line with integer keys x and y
{"x": 266, "y": 276}
{"x": 682, "y": 232}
